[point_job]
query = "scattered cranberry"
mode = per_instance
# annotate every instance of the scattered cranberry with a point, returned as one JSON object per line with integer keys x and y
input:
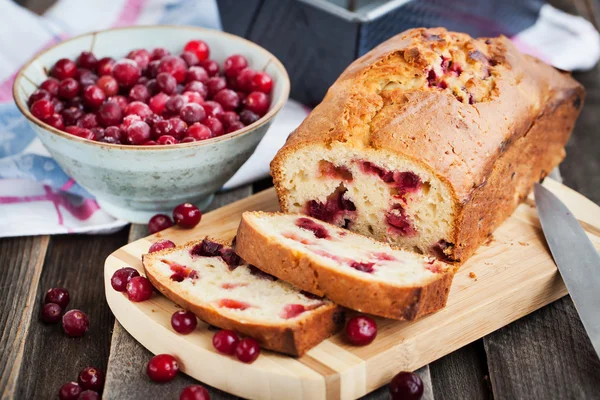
{"x": 139, "y": 289}
{"x": 121, "y": 278}
{"x": 361, "y": 330}
{"x": 199, "y": 132}
{"x": 257, "y": 102}
{"x": 226, "y": 341}
{"x": 161, "y": 245}
{"x": 88, "y": 395}
{"x": 406, "y": 386}
{"x": 51, "y": 86}
{"x": 42, "y": 109}
{"x": 159, "y": 222}
{"x": 194, "y": 392}
{"x": 184, "y": 322}
{"x": 51, "y": 313}
{"x": 199, "y": 48}
{"x": 63, "y": 69}
{"x": 187, "y": 215}
{"x": 69, "y": 391}
{"x": 261, "y": 82}
{"x": 75, "y": 323}
{"x": 162, "y": 368}
{"x": 59, "y": 296}
{"x": 91, "y": 378}
{"x": 247, "y": 350}
{"x": 126, "y": 72}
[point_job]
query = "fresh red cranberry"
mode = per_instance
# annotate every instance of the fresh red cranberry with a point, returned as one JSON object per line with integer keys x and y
{"x": 361, "y": 330}
{"x": 229, "y": 117}
{"x": 188, "y": 139}
{"x": 196, "y": 73}
{"x": 126, "y": 72}
{"x": 187, "y": 215}
{"x": 120, "y": 100}
{"x": 244, "y": 79}
{"x": 51, "y": 86}
{"x": 104, "y": 66}
{"x": 175, "y": 104}
{"x": 162, "y": 368}
{"x": 161, "y": 128}
{"x": 138, "y": 108}
{"x": 194, "y": 392}
{"x": 152, "y": 70}
{"x": 199, "y": 132}
{"x": 71, "y": 115}
{"x": 110, "y": 114}
{"x": 69, "y": 391}
{"x": 91, "y": 378}
{"x": 406, "y": 386}
{"x": 166, "y": 139}
{"x": 190, "y": 58}
{"x": 68, "y": 88}
{"x": 56, "y": 121}
{"x": 138, "y": 289}
{"x": 58, "y": 105}
{"x": 80, "y": 132}
{"x": 149, "y": 143}
{"x": 138, "y": 132}
{"x": 108, "y": 84}
{"x": 140, "y": 56}
{"x": 115, "y": 133}
{"x": 247, "y": 350}
{"x": 210, "y": 66}
{"x": 63, "y": 69}
{"x": 175, "y": 66}
{"x": 234, "y": 64}
{"x": 42, "y": 109}
{"x": 152, "y": 87}
{"x": 214, "y": 125}
{"x": 213, "y": 109}
{"x": 215, "y": 84}
{"x": 38, "y": 95}
{"x": 184, "y": 322}
{"x": 88, "y": 121}
{"x": 93, "y": 96}
{"x": 51, "y": 313}
{"x": 86, "y": 77}
{"x": 139, "y": 92}
{"x": 121, "y": 278}
{"x": 178, "y": 128}
{"x": 75, "y": 323}
{"x": 197, "y": 87}
{"x": 157, "y": 103}
{"x": 225, "y": 341}
{"x": 89, "y": 395}
{"x": 161, "y": 245}
{"x": 191, "y": 113}
{"x": 234, "y": 126}
{"x": 87, "y": 60}
{"x": 261, "y": 82}
{"x": 227, "y": 98}
{"x": 166, "y": 83}
{"x": 98, "y": 132}
{"x": 159, "y": 53}
{"x": 199, "y": 48}
{"x": 59, "y": 296}
{"x": 248, "y": 117}
{"x": 257, "y": 102}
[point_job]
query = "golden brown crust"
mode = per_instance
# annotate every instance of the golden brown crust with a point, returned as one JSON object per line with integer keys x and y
{"x": 470, "y": 147}
{"x": 293, "y": 339}
{"x": 386, "y": 300}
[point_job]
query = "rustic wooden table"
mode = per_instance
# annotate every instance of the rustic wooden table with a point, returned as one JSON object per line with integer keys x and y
{"x": 545, "y": 355}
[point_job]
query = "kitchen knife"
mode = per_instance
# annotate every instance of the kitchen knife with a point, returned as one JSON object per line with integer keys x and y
{"x": 576, "y": 258}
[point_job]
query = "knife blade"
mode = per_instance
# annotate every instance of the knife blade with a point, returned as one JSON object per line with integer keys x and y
{"x": 576, "y": 258}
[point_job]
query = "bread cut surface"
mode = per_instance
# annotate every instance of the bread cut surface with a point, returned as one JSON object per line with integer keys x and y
{"x": 350, "y": 269}
{"x": 429, "y": 141}
{"x": 208, "y": 278}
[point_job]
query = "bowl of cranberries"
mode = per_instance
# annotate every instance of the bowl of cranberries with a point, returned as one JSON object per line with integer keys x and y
{"x": 148, "y": 117}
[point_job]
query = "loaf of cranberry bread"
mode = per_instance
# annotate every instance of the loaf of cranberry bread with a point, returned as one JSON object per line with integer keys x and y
{"x": 350, "y": 269}
{"x": 429, "y": 141}
{"x": 209, "y": 279}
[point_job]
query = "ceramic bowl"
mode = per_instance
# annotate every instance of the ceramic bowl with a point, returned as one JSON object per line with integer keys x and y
{"x": 135, "y": 182}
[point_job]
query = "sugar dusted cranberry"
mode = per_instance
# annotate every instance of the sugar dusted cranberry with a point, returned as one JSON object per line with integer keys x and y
{"x": 138, "y": 289}
{"x": 184, "y": 322}
{"x": 126, "y": 72}
{"x": 406, "y": 386}
{"x": 196, "y": 86}
{"x": 68, "y": 88}
{"x": 257, "y": 102}
{"x": 51, "y": 86}
{"x": 63, "y": 69}
{"x": 192, "y": 112}
{"x": 38, "y": 95}
{"x": 115, "y": 134}
{"x": 161, "y": 128}
{"x": 214, "y": 125}
{"x": 247, "y": 350}
{"x": 71, "y": 115}
{"x": 196, "y": 73}
{"x": 110, "y": 114}
{"x": 211, "y": 67}
{"x": 244, "y": 79}
{"x": 215, "y": 84}
{"x": 159, "y": 53}
{"x": 166, "y": 83}
{"x": 261, "y": 82}
{"x": 187, "y": 215}
{"x": 120, "y": 100}
{"x": 199, "y": 132}
{"x": 199, "y": 48}
{"x": 91, "y": 378}
{"x": 69, "y": 391}
{"x": 56, "y": 121}
{"x": 162, "y": 368}
{"x": 139, "y": 92}
{"x": 157, "y": 103}
{"x": 104, "y": 66}
{"x": 173, "y": 65}
{"x": 152, "y": 70}
{"x": 361, "y": 330}
{"x": 166, "y": 139}
{"x": 89, "y": 395}
{"x": 194, "y": 392}
{"x": 42, "y": 109}
{"x": 80, "y": 132}
{"x": 190, "y": 58}
{"x": 234, "y": 126}
{"x": 140, "y": 56}
{"x": 75, "y": 323}
{"x": 138, "y": 108}
{"x": 175, "y": 104}
{"x": 88, "y": 121}
{"x": 229, "y": 117}
{"x": 121, "y": 278}
{"x": 98, "y": 133}
{"x": 86, "y": 77}
{"x": 58, "y": 105}
{"x": 227, "y": 98}
{"x": 248, "y": 117}
{"x": 234, "y": 64}
{"x": 138, "y": 132}
{"x": 178, "y": 127}
{"x": 225, "y": 341}
{"x": 93, "y": 96}
{"x": 51, "y": 313}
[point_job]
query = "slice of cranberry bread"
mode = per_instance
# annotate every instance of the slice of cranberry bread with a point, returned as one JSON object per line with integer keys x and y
{"x": 429, "y": 141}
{"x": 350, "y": 269}
{"x": 209, "y": 279}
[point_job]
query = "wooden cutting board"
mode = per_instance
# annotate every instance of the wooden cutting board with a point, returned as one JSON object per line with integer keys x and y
{"x": 509, "y": 277}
